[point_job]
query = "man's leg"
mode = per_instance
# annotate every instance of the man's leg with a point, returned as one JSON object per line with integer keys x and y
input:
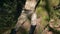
{"x": 20, "y": 22}
{"x": 33, "y": 23}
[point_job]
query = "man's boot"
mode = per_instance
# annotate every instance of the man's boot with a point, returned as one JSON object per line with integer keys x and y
{"x": 32, "y": 29}
{"x": 13, "y": 31}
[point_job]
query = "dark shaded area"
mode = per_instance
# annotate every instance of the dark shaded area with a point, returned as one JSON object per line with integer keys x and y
{"x": 1, "y": 3}
{"x": 13, "y": 31}
{"x": 47, "y": 7}
{"x": 10, "y": 10}
{"x": 20, "y": 5}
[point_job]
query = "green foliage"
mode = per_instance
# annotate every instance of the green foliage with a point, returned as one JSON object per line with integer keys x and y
{"x": 46, "y": 11}
{"x": 7, "y": 14}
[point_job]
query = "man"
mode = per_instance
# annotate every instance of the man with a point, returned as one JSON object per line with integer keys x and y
{"x": 29, "y": 12}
